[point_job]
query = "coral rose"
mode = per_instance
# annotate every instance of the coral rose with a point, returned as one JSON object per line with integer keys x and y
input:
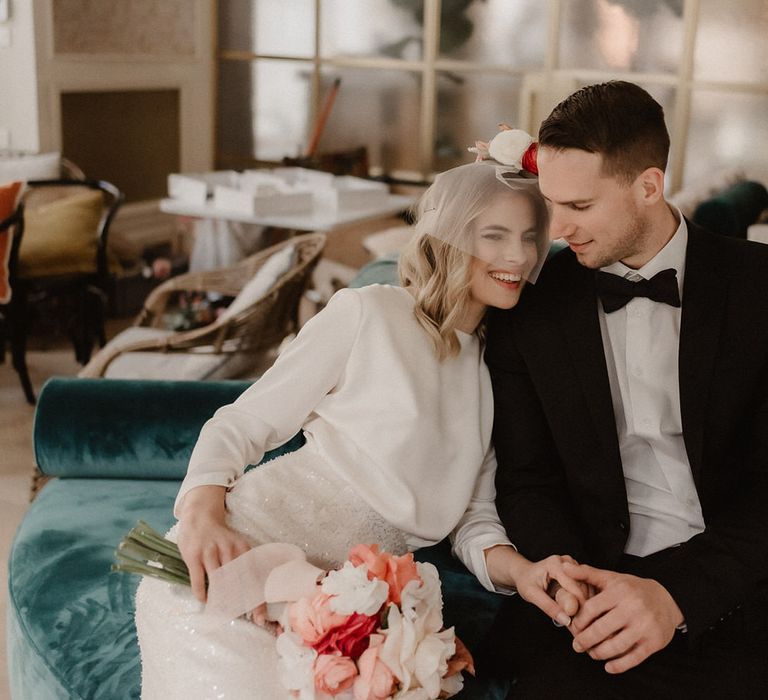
{"x": 334, "y": 673}
{"x": 376, "y": 681}
{"x": 350, "y": 639}
{"x": 400, "y": 571}
{"x": 396, "y": 571}
{"x": 369, "y": 555}
{"x": 312, "y": 618}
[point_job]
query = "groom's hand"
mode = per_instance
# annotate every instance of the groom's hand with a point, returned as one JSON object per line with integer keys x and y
{"x": 628, "y": 619}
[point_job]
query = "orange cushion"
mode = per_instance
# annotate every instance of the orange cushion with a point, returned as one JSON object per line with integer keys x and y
{"x": 9, "y": 193}
{"x": 60, "y": 238}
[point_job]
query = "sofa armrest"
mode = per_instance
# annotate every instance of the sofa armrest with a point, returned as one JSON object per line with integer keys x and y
{"x": 123, "y": 429}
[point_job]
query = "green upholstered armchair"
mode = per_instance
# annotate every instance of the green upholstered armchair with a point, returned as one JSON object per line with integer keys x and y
{"x": 119, "y": 449}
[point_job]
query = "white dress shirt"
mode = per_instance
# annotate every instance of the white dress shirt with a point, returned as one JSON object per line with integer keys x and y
{"x": 641, "y": 342}
{"x": 411, "y": 434}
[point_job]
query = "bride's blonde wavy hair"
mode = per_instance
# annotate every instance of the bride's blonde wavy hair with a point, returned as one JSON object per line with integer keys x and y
{"x": 436, "y": 263}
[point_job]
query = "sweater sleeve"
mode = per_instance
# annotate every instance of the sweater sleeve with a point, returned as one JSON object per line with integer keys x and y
{"x": 480, "y": 527}
{"x": 275, "y": 408}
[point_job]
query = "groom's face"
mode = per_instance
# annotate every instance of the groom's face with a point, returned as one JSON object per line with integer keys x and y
{"x": 596, "y": 214}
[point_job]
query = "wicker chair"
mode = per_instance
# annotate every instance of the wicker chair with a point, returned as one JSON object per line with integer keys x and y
{"x": 248, "y": 334}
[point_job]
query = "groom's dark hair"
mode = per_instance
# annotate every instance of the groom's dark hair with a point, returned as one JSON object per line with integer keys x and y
{"x": 618, "y": 120}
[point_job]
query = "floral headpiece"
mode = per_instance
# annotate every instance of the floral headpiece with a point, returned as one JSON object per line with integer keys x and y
{"x": 511, "y": 147}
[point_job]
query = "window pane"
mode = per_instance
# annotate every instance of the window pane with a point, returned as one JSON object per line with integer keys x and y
{"x": 621, "y": 35}
{"x": 727, "y": 130}
{"x": 502, "y": 32}
{"x": 263, "y": 108}
{"x": 469, "y": 108}
{"x": 731, "y": 41}
{"x": 379, "y": 109}
{"x": 390, "y": 28}
{"x": 285, "y": 28}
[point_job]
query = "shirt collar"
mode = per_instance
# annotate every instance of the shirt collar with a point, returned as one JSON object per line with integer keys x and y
{"x": 671, "y": 255}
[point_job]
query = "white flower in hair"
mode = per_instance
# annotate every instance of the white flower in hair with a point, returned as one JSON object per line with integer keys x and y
{"x": 511, "y": 147}
{"x": 508, "y": 147}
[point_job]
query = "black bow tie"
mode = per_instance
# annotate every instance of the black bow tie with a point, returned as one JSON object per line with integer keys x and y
{"x": 615, "y": 291}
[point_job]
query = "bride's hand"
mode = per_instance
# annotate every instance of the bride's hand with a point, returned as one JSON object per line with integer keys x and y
{"x": 507, "y": 567}
{"x": 205, "y": 541}
{"x": 546, "y": 585}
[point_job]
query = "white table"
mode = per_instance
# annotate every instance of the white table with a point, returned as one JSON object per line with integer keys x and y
{"x": 314, "y": 220}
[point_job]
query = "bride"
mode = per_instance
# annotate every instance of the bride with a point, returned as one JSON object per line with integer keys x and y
{"x": 389, "y": 387}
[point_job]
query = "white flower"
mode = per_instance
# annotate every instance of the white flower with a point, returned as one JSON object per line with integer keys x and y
{"x": 431, "y": 660}
{"x": 416, "y": 656}
{"x": 414, "y": 694}
{"x": 452, "y": 685}
{"x": 353, "y": 592}
{"x": 423, "y": 600}
{"x": 400, "y": 643}
{"x": 296, "y": 665}
{"x": 508, "y": 147}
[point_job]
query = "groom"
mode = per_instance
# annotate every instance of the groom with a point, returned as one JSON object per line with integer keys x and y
{"x": 631, "y": 389}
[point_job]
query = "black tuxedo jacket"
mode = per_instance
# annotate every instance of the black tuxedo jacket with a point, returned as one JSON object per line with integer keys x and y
{"x": 560, "y": 485}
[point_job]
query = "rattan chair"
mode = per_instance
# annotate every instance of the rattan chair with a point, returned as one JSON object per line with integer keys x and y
{"x": 248, "y": 334}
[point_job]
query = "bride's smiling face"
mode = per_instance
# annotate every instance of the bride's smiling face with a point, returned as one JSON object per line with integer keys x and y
{"x": 504, "y": 252}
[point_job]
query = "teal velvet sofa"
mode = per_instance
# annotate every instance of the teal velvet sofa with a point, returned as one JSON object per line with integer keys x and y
{"x": 119, "y": 449}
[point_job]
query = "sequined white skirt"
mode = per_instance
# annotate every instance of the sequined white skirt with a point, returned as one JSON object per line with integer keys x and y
{"x": 296, "y": 498}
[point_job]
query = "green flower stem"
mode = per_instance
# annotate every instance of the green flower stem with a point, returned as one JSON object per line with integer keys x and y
{"x": 153, "y": 571}
{"x": 144, "y": 551}
{"x": 131, "y": 549}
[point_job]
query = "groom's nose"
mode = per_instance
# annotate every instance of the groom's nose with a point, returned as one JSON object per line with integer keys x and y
{"x": 559, "y": 225}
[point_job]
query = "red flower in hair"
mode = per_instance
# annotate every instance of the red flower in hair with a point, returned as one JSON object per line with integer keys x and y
{"x": 529, "y": 158}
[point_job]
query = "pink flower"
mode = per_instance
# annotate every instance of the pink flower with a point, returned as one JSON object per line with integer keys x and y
{"x": 334, "y": 673}
{"x": 396, "y": 571}
{"x": 375, "y": 681}
{"x": 312, "y": 618}
{"x": 350, "y": 639}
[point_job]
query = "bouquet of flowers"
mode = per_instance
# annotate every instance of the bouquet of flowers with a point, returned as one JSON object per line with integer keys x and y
{"x": 371, "y": 630}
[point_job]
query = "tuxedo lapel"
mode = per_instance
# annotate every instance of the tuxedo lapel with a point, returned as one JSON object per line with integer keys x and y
{"x": 705, "y": 290}
{"x": 581, "y": 327}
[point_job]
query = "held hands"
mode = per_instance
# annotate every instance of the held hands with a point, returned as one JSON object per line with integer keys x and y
{"x": 626, "y": 620}
{"x": 205, "y": 541}
{"x": 507, "y": 567}
{"x": 534, "y": 584}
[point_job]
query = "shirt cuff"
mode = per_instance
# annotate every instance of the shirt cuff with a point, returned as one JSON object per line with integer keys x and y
{"x": 206, "y": 479}
{"x": 485, "y": 578}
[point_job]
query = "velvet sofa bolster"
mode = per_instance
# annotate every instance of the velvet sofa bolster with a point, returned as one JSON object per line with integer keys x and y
{"x": 123, "y": 429}
{"x": 732, "y": 211}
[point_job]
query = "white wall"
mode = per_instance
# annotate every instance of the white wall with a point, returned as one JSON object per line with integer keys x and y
{"x": 33, "y": 75}
{"x": 19, "y": 123}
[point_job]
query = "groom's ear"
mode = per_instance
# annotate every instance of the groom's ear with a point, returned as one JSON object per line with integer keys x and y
{"x": 649, "y": 186}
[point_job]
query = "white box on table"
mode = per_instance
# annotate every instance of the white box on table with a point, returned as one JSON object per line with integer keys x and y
{"x": 195, "y": 187}
{"x": 304, "y": 177}
{"x": 260, "y": 201}
{"x": 348, "y": 192}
